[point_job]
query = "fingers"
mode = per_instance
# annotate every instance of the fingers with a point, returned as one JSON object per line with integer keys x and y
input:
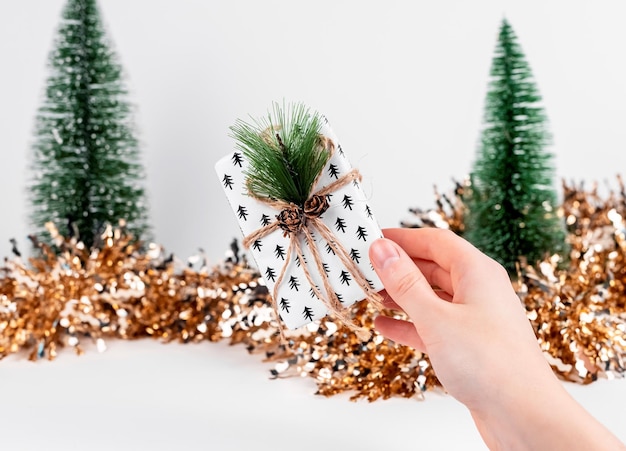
{"x": 404, "y": 282}
{"x": 435, "y": 274}
{"x": 454, "y": 261}
{"x": 443, "y": 295}
{"x": 400, "y": 331}
{"x": 388, "y": 302}
{"x": 440, "y": 246}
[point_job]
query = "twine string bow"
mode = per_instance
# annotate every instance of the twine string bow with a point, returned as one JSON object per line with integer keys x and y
{"x": 303, "y": 219}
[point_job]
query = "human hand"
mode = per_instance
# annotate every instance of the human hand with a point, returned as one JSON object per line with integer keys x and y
{"x": 475, "y": 331}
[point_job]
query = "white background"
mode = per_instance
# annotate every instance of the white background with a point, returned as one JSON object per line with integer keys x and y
{"x": 403, "y": 84}
{"x": 145, "y": 395}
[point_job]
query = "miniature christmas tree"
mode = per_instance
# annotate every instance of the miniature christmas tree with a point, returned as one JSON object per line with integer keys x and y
{"x": 512, "y": 209}
{"x": 86, "y": 162}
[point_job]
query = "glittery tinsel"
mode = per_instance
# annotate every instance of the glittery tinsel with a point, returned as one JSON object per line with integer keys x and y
{"x": 576, "y": 303}
{"x": 68, "y": 295}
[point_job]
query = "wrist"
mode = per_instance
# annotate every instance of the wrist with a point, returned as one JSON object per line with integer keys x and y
{"x": 542, "y": 416}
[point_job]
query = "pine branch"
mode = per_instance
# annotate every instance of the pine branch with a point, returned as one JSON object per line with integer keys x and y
{"x": 284, "y": 151}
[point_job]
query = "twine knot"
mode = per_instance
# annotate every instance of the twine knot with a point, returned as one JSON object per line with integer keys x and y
{"x": 294, "y": 219}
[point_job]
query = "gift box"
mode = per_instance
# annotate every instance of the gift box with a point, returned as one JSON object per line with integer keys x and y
{"x": 330, "y": 255}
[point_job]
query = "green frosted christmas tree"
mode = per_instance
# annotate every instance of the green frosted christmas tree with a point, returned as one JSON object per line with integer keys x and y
{"x": 512, "y": 205}
{"x": 86, "y": 163}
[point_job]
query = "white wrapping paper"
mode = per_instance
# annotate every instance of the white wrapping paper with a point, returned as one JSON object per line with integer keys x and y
{"x": 348, "y": 216}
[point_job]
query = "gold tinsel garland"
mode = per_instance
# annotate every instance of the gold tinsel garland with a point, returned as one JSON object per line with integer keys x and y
{"x": 576, "y": 303}
{"x": 69, "y": 295}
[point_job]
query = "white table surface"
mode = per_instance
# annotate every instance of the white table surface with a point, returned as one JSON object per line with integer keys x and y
{"x": 146, "y": 395}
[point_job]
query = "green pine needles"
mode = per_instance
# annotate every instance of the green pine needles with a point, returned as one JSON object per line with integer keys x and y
{"x": 86, "y": 158}
{"x": 284, "y": 151}
{"x": 512, "y": 205}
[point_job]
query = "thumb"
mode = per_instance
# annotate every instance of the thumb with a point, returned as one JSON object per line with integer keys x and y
{"x": 404, "y": 282}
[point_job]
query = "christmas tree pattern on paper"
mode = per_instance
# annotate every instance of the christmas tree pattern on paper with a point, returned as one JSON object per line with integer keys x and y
{"x": 348, "y": 217}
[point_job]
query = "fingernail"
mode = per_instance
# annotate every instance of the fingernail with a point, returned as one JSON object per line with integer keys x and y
{"x": 383, "y": 253}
